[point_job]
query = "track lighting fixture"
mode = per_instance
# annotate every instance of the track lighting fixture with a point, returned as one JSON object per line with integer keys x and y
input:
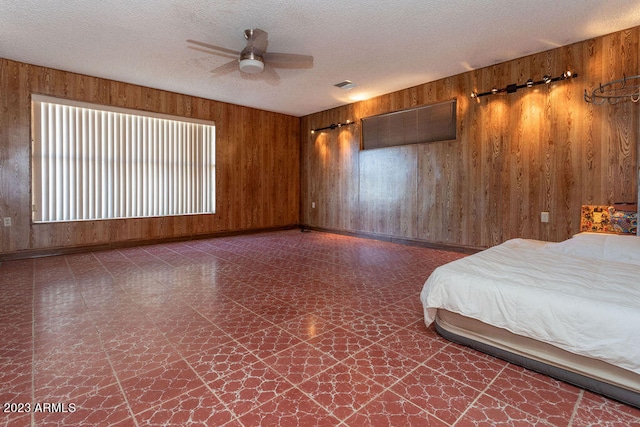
{"x": 333, "y": 126}
{"x": 530, "y": 83}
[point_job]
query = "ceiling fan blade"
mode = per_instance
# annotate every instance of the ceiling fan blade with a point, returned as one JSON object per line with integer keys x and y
{"x": 227, "y": 68}
{"x": 288, "y": 60}
{"x": 270, "y": 75}
{"x": 225, "y": 55}
{"x": 214, "y": 47}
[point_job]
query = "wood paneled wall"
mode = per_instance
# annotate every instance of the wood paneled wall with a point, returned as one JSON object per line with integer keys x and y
{"x": 539, "y": 149}
{"x": 257, "y": 162}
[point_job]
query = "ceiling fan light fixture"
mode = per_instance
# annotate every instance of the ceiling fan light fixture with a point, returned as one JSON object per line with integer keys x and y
{"x": 251, "y": 62}
{"x": 251, "y": 65}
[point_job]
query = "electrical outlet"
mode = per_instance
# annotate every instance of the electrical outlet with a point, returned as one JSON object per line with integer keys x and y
{"x": 7, "y": 221}
{"x": 544, "y": 216}
{"x": 313, "y": 205}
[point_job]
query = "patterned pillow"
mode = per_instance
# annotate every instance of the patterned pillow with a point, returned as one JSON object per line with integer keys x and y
{"x": 606, "y": 219}
{"x": 595, "y": 218}
{"x": 624, "y": 221}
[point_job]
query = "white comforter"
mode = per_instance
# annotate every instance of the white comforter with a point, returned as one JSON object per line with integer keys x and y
{"x": 582, "y": 295}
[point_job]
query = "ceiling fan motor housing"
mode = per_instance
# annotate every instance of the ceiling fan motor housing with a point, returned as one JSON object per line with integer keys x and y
{"x": 251, "y": 60}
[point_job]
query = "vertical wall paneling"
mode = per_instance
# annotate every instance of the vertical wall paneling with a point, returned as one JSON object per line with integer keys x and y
{"x": 516, "y": 155}
{"x": 257, "y": 162}
{"x": 331, "y": 176}
{"x": 388, "y": 191}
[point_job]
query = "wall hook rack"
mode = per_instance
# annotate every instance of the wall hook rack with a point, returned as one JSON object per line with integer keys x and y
{"x": 626, "y": 88}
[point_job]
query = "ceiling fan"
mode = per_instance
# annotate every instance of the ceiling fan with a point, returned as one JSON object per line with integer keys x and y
{"x": 254, "y": 58}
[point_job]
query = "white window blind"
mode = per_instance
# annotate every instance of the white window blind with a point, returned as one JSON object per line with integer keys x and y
{"x": 93, "y": 163}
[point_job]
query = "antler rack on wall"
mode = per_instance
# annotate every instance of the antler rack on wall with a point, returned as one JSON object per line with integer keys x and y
{"x": 626, "y": 88}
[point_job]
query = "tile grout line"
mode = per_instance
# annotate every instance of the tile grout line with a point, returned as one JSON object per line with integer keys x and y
{"x": 261, "y": 360}
{"x": 115, "y": 374}
{"x": 482, "y": 393}
{"x": 575, "y": 408}
{"x": 234, "y": 416}
{"x": 388, "y": 389}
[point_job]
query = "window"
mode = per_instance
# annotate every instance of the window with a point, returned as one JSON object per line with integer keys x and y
{"x": 428, "y": 123}
{"x": 93, "y": 162}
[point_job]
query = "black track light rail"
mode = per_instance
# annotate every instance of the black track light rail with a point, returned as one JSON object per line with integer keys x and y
{"x": 529, "y": 83}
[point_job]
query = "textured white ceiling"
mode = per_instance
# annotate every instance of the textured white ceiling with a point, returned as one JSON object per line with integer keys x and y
{"x": 381, "y": 46}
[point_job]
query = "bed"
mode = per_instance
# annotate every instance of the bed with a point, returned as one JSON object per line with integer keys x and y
{"x": 570, "y": 310}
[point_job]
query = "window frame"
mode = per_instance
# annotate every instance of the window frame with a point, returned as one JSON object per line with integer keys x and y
{"x": 208, "y": 173}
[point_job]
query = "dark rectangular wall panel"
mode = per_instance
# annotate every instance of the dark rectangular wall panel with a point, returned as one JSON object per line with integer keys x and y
{"x": 427, "y": 123}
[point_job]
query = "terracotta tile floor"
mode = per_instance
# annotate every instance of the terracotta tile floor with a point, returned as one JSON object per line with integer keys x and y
{"x": 282, "y": 329}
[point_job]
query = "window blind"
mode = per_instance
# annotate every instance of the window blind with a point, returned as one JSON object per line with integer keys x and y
{"x": 427, "y": 123}
{"x": 90, "y": 163}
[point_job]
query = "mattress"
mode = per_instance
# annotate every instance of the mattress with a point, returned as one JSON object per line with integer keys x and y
{"x": 581, "y": 297}
{"x": 594, "y": 375}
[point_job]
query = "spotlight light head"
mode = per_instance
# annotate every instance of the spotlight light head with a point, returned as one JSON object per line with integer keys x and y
{"x": 474, "y": 95}
{"x": 567, "y": 74}
{"x": 313, "y": 131}
{"x": 546, "y": 79}
{"x": 530, "y": 83}
{"x": 494, "y": 90}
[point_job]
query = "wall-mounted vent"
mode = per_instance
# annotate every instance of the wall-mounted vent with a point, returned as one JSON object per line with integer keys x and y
{"x": 428, "y": 123}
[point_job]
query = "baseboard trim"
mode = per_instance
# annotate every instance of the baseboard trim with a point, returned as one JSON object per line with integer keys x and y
{"x": 39, "y": 253}
{"x": 400, "y": 240}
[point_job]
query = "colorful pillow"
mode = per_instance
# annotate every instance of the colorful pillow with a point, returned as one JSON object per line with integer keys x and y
{"x": 624, "y": 221}
{"x": 595, "y": 218}
{"x": 606, "y": 219}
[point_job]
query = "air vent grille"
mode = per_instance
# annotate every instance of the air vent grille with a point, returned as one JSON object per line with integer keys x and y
{"x": 346, "y": 85}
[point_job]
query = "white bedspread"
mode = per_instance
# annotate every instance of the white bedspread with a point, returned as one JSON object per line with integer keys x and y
{"x": 582, "y": 295}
